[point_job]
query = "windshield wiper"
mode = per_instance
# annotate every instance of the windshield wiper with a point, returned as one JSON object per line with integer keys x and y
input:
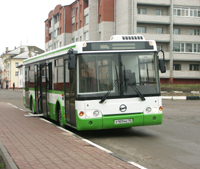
{"x": 138, "y": 92}
{"x": 108, "y": 92}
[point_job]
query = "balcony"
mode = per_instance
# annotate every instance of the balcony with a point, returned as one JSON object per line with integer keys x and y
{"x": 186, "y": 3}
{"x": 186, "y": 38}
{"x": 153, "y": 2}
{"x": 192, "y": 21}
{"x": 153, "y": 19}
{"x": 157, "y": 37}
{"x": 179, "y": 56}
{"x": 186, "y": 74}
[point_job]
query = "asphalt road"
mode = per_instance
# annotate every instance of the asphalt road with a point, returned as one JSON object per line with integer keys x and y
{"x": 173, "y": 145}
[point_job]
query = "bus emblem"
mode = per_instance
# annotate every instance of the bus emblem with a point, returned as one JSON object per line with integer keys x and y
{"x": 123, "y": 108}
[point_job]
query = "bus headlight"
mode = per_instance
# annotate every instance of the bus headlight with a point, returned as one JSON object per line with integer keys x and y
{"x": 148, "y": 109}
{"x": 155, "y": 109}
{"x": 96, "y": 113}
{"x": 89, "y": 114}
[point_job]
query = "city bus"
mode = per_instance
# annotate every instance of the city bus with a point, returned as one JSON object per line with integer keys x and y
{"x": 96, "y": 85}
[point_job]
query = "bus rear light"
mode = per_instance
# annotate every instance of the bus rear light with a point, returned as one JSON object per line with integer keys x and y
{"x": 81, "y": 114}
{"x": 160, "y": 108}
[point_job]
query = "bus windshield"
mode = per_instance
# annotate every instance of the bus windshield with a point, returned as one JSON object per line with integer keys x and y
{"x": 122, "y": 74}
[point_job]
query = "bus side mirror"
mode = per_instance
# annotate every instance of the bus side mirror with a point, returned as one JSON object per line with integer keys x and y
{"x": 162, "y": 66}
{"x": 162, "y": 62}
{"x": 72, "y": 61}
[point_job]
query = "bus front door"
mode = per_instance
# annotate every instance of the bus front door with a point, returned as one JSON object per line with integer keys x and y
{"x": 69, "y": 89}
{"x": 41, "y": 89}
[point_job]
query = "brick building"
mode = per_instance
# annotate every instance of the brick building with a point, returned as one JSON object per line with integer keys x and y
{"x": 174, "y": 24}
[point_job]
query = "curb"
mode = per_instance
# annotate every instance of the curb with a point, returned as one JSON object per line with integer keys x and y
{"x": 9, "y": 163}
{"x": 180, "y": 97}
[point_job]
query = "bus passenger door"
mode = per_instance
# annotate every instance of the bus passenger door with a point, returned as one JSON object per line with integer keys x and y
{"x": 40, "y": 89}
{"x": 43, "y": 90}
{"x": 69, "y": 89}
{"x": 27, "y": 87}
{"x": 37, "y": 88}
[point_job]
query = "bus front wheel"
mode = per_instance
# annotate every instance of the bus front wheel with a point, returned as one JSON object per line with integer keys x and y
{"x": 60, "y": 118}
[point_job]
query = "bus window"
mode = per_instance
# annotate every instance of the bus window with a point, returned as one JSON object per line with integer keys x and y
{"x": 59, "y": 75}
{"x": 97, "y": 73}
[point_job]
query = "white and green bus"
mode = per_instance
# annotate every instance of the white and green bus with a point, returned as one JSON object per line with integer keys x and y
{"x": 98, "y": 84}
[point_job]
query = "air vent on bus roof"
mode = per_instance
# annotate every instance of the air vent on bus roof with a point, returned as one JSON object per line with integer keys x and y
{"x": 126, "y": 37}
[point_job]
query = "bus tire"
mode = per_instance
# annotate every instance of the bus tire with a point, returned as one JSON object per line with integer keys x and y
{"x": 60, "y": 118}
{"x": 32, "y": 106}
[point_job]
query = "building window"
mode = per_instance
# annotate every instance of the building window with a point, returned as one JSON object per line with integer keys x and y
{"x": 86, "y": 19}
{"x": 86, "y": 36}
{"x": 195, "y": 32}
{"x": 142, "y": 11}
{"x": 159, "y": 12}
{"x": 16, "y": 73}
{"x": 141, "y": 30}
{"x": 194, "y": 67}
{"x": 77, "y": 26}
{"x": 16, "y": 64}
{"x": 73, "y": 12}
{"x": 186, "y": 11}
{"x": 81, "y": 8}
{"x": 56, "y": 18}
{"x": 77, "y": 11}
{"x": 176, "y": 66}
{"x": 73, "y": 27}
{"x": 159, "y": 30}
{"x": 186, "y": 47}
{"x": 177, "y": 31}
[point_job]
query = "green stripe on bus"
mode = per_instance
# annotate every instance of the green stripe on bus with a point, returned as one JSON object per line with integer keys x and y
{"x": 49, "y": 91}
{"x": 60, "y": 50}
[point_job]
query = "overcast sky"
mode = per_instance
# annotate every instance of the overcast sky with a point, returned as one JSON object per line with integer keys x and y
{"x": 22, "y": 22}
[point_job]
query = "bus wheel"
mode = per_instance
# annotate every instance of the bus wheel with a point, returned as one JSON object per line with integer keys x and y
{"x": 32, "y": 108}
{"x": 60, "y": 119}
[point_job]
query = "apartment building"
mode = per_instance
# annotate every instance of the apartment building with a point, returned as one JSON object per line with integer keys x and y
{"x": 10, "y": 60}
{"x": 174, "y": 24}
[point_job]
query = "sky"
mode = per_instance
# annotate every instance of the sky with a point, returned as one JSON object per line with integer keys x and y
{"x": 22, "y": 22}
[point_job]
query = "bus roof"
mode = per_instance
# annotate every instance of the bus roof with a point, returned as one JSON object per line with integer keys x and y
{"x": 117, "y": 43}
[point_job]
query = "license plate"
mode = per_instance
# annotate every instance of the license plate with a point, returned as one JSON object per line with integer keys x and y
{"x": 123, "y": 121}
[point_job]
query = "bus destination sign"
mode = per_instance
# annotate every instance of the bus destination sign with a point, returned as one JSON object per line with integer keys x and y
{"x": 104, "y": 46}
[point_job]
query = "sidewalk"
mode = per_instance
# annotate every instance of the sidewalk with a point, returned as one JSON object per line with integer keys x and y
{"x": 29, "y": 142}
